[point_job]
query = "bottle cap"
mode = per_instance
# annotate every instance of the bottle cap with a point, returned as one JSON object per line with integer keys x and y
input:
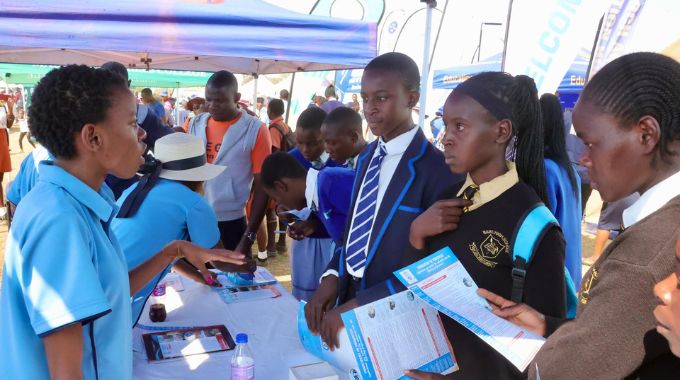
{"x": 241, "y": 338}
{"x": 159, "y": 290}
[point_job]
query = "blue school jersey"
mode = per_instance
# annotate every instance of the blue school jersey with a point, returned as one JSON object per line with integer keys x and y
{"x": 565, "y": 204}
{"x": 334, "y": 190}
{"x": 171, "y": 211}
{"x": 28, "y": 174}
{"x": 320, "y": 233}
{"x": 329, "y": 163}
{"x": 63, "y": 265}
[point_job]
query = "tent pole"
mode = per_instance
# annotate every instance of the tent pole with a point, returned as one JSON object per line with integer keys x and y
{"x": 507, "y": 32}
{"x": 256, "y": 76}
{"x": 592, "y": 52}
{"x": 439, "y": 29}
{"x": 290, "y": 97}
{"x": 425, "y": 75}
{"x": 255, "y": 89}
{"x": 175, "y": 108}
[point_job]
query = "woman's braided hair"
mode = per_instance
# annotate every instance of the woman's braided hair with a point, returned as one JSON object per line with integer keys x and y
{"x": 638, "y": 85}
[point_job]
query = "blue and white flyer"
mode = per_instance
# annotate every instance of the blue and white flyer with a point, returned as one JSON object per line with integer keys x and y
{"x": 441, "y": 280}
{"x": 385, "y": 337}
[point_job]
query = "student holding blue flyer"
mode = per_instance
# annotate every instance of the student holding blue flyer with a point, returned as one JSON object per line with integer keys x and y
{"x": 397, "y": 177}
{"x": 482, "y": 115}
{"x": 627, "y": 117}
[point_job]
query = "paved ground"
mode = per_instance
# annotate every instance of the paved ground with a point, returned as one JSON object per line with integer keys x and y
{"x": 279, "y": 265}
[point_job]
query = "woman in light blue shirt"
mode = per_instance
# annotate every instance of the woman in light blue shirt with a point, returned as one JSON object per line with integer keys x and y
{"x": 168, "y": 206}
{"x": 65, "y": 299}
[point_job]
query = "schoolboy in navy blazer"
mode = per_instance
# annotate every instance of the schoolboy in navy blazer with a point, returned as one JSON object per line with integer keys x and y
{"x": 409, "y": 193}
{"x": 398, "y": 176}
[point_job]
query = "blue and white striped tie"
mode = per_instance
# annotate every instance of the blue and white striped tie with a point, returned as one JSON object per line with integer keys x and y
{"x": 357, "y": 243}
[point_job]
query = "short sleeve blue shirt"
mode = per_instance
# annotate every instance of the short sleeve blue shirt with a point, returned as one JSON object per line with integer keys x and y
{"x": 28, "y": 174}
{"x": 157, "y": 108}
{"x": 171, "y": 211}
{"x": 63, "y": 265}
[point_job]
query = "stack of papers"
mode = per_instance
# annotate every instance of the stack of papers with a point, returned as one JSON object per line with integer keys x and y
{"x": 384, "y": 338}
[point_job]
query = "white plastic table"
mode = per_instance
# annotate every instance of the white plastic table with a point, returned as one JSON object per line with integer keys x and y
{"x": 271, "y": 326}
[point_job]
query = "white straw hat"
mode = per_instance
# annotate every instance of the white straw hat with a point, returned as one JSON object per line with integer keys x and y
{"x": 183, "y": 158}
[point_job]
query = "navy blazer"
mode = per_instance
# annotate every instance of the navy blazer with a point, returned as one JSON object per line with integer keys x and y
{"x": 422, "y": 178}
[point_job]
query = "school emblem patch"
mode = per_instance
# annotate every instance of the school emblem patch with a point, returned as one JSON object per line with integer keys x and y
{"x": 492, "y": 245}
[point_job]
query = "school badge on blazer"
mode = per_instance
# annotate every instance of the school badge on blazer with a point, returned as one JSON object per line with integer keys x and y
{"x": 493, "y": 244}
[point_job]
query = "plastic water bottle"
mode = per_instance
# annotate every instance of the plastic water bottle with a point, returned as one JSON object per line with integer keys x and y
{"x": 242, "y": 363}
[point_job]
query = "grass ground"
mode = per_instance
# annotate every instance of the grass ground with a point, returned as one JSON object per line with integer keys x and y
{"x": 279, "y": 265}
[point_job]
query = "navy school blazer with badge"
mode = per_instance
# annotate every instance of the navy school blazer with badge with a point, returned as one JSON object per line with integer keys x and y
{"x": 421, "y": 178}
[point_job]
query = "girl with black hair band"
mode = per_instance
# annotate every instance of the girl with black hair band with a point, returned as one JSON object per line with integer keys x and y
{"x": 563, "y": 184}
{"x": 628, "y": 117}
{"x": 65, "y": 300}
{"x": 481, "y": 116}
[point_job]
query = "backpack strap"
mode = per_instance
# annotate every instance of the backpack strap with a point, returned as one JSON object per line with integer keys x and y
{"x": 532, "y": 228}
{"x": 283, "y": 133}
{"x": 278, "y": 128}
{"x": 572, "y": 298}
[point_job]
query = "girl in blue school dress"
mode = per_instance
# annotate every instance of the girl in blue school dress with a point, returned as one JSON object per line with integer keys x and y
{"x": 65, "y": 300}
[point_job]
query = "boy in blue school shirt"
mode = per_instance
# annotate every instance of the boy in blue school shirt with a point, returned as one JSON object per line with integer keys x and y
{"x": 325, "y": 192}
{"x": 398, "y": 177}
{"x": 310, "y": 253}
{"x": 175, "y": 199}
{"x": 310, "y": 150}
{"x": 343, "y": 136}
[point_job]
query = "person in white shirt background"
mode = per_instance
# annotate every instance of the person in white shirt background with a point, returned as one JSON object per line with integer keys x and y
{"x": 24, "y": 131}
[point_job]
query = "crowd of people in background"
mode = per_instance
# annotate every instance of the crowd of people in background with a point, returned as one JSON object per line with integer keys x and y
{"x": 362, "y": 191}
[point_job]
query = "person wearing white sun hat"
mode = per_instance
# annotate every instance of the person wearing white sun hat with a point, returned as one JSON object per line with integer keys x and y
{"x": 166, "y": 205}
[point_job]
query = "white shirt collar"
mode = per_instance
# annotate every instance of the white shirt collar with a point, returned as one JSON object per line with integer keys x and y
{"x": 311, "y": 194}
{"x": 652, "y": 200}
{"x": 398, "y": 145}
{"x": 324, "y": 156}
{"x": 352, "y": 162}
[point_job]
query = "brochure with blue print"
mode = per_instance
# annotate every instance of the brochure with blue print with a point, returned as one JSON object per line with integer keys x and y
{"x": 385, "y": 337}
{"x": 441, "y": 281}
{"x": 240, "y": 287}
{"x": 229, "y": 280}
{"x": 248, "y": 293}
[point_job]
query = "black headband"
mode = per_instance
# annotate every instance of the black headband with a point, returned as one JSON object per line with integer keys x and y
{"x": 493, "y": 103}
{"x": 152, "y": 170}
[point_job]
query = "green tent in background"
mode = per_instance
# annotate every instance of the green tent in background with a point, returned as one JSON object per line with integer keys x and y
{"x": 29, "y": 75}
